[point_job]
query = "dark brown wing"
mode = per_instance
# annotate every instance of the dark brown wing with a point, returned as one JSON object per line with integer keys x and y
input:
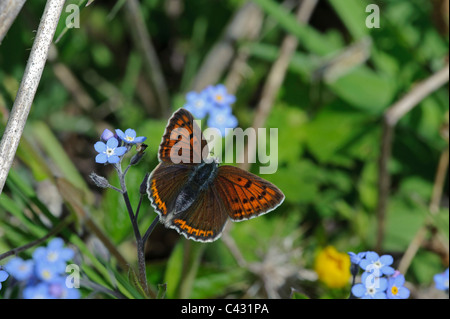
{"x": 204, "y": 219}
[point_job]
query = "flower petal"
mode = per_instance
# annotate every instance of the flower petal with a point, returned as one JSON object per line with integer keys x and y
{"x": 120, "y": 134}
{"x": 120, "y": 151}
{"x": 379, "y": 295}
{"x": 372, "y": 256}
{"x": 113, "y": 159}
{"x": 130, "y": 132}
{"x": 112, "y": 143}
{"x": 387, "y": 270}
{"x": 399, "y": 280}
{"x": 140, "y": 139}
{"x": 3, "y": 275}
{"x": 229, "y": 99}
{"x": 364, "y": 263}
{"x": 56, "y": 243}
{"x": 403, "y": 293}
{"x": 101, "y": 158}
{"x": 66, "y": 254}
{"x": 358, "y": 290}
{"x": 382, "y": 284}
{"x": 39, "y": 253}
{"x": 192, "y": 96}
{"x": 386, "y": 260}
{"x": 100, "y": 147}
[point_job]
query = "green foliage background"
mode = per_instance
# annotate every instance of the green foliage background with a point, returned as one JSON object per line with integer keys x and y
{"x": 328, "y": 151}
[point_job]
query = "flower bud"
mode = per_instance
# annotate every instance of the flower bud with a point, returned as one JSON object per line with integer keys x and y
{"x": 98, "y": 180}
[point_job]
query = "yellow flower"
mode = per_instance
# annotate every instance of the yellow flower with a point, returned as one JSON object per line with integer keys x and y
{"x": 333, "y": 267}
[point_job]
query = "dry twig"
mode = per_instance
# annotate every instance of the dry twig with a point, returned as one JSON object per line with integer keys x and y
{"x": 275, "y": 79}
{"x": 392, "y": 115}
{"x": 243, "y": 25}
{"x": 28, "y": 86}
{"x": 153, "y": 70}
{"x": 9, "y": 9}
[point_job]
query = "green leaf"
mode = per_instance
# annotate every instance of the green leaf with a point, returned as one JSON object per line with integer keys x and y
{"x": 211, "y": 285}
{"x": 441, "y": 221}
{"x": 353, "y": 15}
{"x": 425, "y": 265}
{"x": 134, "y": 293}
{"x": 162, "y": 288}
{"x": 309, "y": 37}
{"x": 54, "y": 149}
{"x": 194, "y": 251}
{"x": 367, "y": 185}
{"x": 298, "y": 295}
{"x": 14, "y": 209}
{"x": 332, "y": 129}
{"x": 366, "y": 90}
{"x": 288, "y": 120}
{"x": 298, "y": 181}
{"x": 174, "y": 270}
{"x": 403, "y": 220}
{"x": 63, "y": 28}
{"x": 154, "y": 130}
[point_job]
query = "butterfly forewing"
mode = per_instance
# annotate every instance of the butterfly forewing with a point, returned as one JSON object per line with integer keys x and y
{"x": 182, "y": 140}
{"x": 247, "y": 195}
{"x": 164, "y": 184}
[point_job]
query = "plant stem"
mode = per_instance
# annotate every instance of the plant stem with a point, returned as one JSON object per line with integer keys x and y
{"x": 140, "y": 240}
{"x": 137, "y": 234}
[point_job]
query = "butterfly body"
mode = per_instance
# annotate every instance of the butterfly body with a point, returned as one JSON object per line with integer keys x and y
{"x": 204, "y": 175}
{"x": 197, "y": 199}
{"x": 200, "y": 179}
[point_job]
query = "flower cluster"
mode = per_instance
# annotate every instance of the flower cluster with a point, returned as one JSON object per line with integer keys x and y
{"x": 43, "y": 275}
{"x": 112, "y": 147}
{"x": 379, "y": 280}
{"x": 215, "y": 102}
{"x": 441, "y": 281}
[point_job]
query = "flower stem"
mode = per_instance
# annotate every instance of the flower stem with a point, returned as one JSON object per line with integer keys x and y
{"x": 140, "y": 243}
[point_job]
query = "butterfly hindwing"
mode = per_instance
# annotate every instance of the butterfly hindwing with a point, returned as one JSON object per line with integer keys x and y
{"x": 204, "y": 220}
{"x": 182, "y": 132}
{"x": 247, "y": 195}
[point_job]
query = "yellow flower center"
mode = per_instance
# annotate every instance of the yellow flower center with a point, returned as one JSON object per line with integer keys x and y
{"x": 219, "y": 98}
{"x": 394, "y": 290}
{"x": 52, "y": 256}
{"x": 46, "y": 274}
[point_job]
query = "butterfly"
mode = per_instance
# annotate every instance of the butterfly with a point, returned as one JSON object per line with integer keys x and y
{"x": 196, "y": 197}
